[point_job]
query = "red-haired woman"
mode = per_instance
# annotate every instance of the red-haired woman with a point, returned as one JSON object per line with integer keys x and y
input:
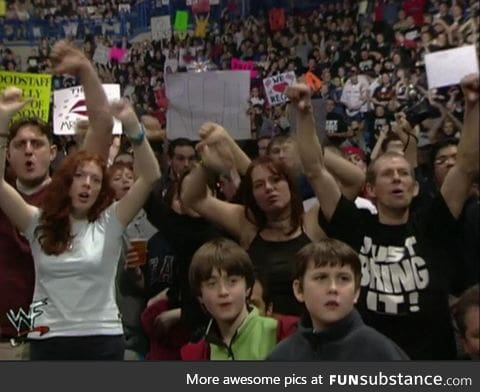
{"x": 76, "y": 241}
{"x": 271, "y": 224}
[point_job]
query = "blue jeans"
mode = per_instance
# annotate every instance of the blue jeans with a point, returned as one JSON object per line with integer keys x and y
{"x": 101, "y": 347}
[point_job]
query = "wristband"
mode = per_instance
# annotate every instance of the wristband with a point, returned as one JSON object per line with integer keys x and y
{"x": 138, "y": 138}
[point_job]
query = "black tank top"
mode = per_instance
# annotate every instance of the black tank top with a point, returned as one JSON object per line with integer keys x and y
{"x": 273, "y": 260}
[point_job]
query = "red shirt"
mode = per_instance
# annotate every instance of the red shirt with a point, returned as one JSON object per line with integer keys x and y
{"x": 415, "y": 9}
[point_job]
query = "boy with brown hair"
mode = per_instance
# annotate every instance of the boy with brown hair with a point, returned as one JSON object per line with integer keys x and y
{"x": 327, "y": 280}
{"x": 222, "y": 277}
{"x": 467, "y": 320}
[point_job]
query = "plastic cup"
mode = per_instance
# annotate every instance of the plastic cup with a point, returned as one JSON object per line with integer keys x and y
{"x": 140, "y": 247}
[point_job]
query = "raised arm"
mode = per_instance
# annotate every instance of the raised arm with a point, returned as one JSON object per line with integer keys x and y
{"x": 216, "y": 157}
{"x": 12, "y": 204}
{"x": 212, "y": 133}
{"x": 68, "y": 59}
{"x": 310, "y": 150}
{"x": 458, "y": 182}
{"x": 351, "y": 177}
{"x": 145, "y": 161}
{"x": 409, "y": 139}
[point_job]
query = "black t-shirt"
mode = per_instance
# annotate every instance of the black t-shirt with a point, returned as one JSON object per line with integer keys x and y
{"x": 184, "y": 235}
{"x": 406, "y": 272}
{"x": 335, "y": 124}
{"x": 159, "y": 268}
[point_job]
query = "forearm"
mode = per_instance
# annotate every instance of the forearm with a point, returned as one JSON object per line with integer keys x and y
{"x": 310, "y": 149}
{"x": 194, "y": 188}
{"x": 98, "y": 137}
{"x": 242, "y": 161}
{"x": 410, "y": 142}
{"x": 458, "y": 124}
{"x": 350, "y": 176}
{"x": 146, "y": 163}
{"x": 468, "y": 156}
{"x": 3, "y": 148}
{"x": 376, "y": 152}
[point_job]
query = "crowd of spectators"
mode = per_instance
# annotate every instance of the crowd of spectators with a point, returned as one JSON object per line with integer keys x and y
{"x": 334, "y": 42}
{"x": 33, "y": 19}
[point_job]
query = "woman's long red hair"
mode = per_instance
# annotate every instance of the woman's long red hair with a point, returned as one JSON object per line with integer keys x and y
{"x": 54, "y": 229}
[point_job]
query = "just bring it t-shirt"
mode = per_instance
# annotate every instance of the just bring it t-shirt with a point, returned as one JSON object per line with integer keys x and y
{"x": 406, "y": 272}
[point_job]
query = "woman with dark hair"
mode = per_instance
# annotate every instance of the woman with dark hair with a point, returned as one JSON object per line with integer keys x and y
{"x": 271, "y": 224}
{"x": 75, "y": 240}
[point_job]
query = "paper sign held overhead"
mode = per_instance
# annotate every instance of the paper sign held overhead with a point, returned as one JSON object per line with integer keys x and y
{"x": 161, "y": 27}
{"x": 101, "y": 54}
{"x": 69, "y": 106}
{"x": 181, "y": 21}
{"x": 242, "y": 65}
{"x": 197, "y": 97}
{"x": 275, "y": 87}
{"x": 36, "y": 86}
{"x": 448, "y": 67}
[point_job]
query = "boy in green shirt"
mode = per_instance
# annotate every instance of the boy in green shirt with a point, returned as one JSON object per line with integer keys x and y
{"x": 222, "y": 277}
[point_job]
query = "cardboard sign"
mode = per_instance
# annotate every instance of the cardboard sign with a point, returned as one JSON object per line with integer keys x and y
{"x": 124, "y": 8}
{"x": 197, "y": 97}
{"x": 161, "y": 27}
{"x": 181, "y": 21}
{"x": 448, "y": 67}
{"x": 101, "y": 54}
{"x": 69, "y": 106}
{"x": 276, "y": 18}
{"x": 241, "y": 65}
{"x": 36, "y": 86}
{"x": 117, "y": 54}
{"x": 275, "y": 87}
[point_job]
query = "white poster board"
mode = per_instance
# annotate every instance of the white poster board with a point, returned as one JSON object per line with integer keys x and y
{"x": 275, "y": 87}
{"x": 124, "y": 8}
{"x": 161, "y": 27}
{"x": 69, "y": 107}
{"x": 100, "y": 56}
{"x": 220, "y": 96}
{"x": 448, "y": 67}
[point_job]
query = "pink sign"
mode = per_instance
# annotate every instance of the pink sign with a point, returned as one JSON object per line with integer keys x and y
{"x": 241, "y": 65}
{"x": 117, "y": 54}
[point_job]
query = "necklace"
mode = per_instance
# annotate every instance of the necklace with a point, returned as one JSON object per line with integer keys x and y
{"x": 282, "y": 224}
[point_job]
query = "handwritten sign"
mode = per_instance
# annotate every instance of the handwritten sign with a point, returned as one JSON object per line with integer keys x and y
{"x": 241, "y": 65}
{"x": 69, "y": 106}
{"x": 197, "y": 97}
{"x": 36, "y": 86}
{"x": 181, "y": 21}
{"x": 161, "y": 27}
{"x": 275, "y": 87}
{"x": 101, "y": 54}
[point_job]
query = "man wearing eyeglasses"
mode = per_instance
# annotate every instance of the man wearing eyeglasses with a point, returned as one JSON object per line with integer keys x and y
{"x": 443, "y": 157}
